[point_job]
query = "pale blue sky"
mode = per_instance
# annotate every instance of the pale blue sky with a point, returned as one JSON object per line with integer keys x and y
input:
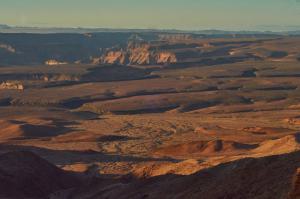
{"x": 167, "y": 14}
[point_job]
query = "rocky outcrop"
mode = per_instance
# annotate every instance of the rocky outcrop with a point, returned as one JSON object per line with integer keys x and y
{"x": 12, "y": 86}
{"x": 137, "y": 53}
{"x": 53, "y": 62}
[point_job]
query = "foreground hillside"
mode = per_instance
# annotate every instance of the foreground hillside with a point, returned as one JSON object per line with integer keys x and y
{"x": 269, "y": 177}
{"x": 147, "y": 113}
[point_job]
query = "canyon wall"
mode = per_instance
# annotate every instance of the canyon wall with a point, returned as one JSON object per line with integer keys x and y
{"x": 139, "y": 53}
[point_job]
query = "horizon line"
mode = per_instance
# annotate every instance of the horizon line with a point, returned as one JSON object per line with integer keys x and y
{"x": 297, "y": 28}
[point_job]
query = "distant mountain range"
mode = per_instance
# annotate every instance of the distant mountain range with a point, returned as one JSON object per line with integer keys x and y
{"x": 43, "y": 30}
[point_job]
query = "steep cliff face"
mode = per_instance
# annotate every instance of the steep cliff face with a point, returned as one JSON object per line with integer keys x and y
{"x": 115, "y": 57}
{"x": 137, "y": 54}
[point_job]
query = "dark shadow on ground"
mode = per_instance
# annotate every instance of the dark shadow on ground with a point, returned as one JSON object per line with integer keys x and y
{"x": 66, "y": 157}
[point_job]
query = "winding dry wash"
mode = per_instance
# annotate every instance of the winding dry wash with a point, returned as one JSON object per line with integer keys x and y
{"x": 177, "y": 112}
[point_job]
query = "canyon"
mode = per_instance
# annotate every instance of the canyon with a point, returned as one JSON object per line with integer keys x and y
{"x": 148, "y": 114}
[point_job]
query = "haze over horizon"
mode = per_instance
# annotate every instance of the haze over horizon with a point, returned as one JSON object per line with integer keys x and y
{"x": 274, "y": 15}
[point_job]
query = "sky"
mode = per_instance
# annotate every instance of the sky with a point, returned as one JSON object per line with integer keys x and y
{"x": 154, "y": 14}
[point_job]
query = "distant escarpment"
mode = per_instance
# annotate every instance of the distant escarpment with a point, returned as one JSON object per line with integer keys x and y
{"x": 130, "y": 48}
{"x": 139, "y": 53}
{"x": 98, "y": 48}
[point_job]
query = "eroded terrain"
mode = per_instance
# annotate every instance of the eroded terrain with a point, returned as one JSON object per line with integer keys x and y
{"x": 164, "y": 105}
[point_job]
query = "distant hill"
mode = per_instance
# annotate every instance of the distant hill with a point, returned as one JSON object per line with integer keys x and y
{"x": 4, "y": 26}
{"x": 18, "y": 29}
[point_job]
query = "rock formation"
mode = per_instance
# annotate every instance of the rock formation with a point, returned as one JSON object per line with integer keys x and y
{"x": 53, "y": 62}
{"x": 137, "y": 53}
{"x": 12, "y": 86}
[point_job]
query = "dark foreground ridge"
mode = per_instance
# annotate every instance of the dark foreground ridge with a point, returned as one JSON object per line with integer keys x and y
{"x": 25, "y": 175}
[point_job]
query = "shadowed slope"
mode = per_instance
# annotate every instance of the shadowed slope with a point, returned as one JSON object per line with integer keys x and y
{"x": 25, "y": 175}
{"x": 262, "y": 178}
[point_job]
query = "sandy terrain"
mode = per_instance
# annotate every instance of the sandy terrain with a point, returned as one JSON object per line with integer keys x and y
{"x": 185, "y": 129}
